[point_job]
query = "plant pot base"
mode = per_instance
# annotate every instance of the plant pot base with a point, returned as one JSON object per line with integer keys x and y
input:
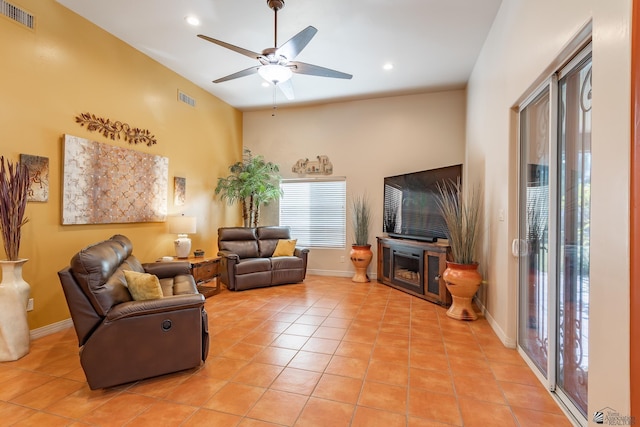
{"x": 360, "y": 277}
{"x": 461, "y": 309}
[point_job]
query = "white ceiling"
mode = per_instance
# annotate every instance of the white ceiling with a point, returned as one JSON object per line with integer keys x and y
{"x": 433, "y": 44}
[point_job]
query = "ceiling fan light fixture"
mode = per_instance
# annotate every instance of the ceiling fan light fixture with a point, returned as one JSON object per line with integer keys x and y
{"x": 192, "y": 20}
{"x": 274, "y": 73}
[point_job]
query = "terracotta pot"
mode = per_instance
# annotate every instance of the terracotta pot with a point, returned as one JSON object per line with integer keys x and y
{"x": 361, "y": 258}
{"x": 463, "y": 281}
{"x": 14, "y": 294}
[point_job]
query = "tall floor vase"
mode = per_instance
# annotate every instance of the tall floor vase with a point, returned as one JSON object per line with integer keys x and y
{"x": 14, "y": 295}
{"x": 463, "y": 281}
{"x": 361, "y": 258}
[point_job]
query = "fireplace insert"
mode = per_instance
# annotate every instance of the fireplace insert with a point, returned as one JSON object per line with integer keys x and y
{"x": 408, "y": 268}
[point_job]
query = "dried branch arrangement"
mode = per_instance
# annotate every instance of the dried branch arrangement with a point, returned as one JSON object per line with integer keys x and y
{"x": 116, "y": 130}
{"x": 14, "y": 186}
{"x": 462, "y": 216}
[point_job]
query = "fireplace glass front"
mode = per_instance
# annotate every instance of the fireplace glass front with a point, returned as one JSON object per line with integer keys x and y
{"x": 408, "y": 270}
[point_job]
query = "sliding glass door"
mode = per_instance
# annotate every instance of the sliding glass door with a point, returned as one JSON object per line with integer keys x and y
{"x": 554, "y": 219}
{"x": 533, "y": 330}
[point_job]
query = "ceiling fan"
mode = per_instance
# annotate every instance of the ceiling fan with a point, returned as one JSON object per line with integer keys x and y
{"x": 276, "y": 63}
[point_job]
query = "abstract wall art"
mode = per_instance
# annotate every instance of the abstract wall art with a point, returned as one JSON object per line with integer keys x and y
{"x": 105, "y": 184}
{"x": 179, "y": 190}
{"x": 38, "y": 177}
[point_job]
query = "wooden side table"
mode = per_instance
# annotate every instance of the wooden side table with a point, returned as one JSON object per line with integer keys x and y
{"x": 205, "y": 270}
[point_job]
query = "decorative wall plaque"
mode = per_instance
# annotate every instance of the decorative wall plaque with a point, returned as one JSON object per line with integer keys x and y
{"x": 321, "y": 166}
{"x": 116, "y": 129}
{"x": 105, "y": 184}
{"x": 38, "y": 177}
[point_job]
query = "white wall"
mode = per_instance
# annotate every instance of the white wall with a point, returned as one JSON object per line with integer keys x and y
{"x": 527, "y": 36}
{"x": 366, "y": 141}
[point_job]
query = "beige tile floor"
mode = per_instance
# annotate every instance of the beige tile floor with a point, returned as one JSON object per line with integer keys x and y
{"x": 327, "y": 352}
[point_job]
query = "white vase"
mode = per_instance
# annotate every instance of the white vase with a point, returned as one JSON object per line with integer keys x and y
{"x": 14, "y": 295}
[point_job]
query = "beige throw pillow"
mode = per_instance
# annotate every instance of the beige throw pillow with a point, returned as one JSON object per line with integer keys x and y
{"x": 143, "y": 286}
{"x": 285, "y": 247}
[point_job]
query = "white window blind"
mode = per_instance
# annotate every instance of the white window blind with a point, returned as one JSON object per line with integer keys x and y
{"x": 315, "y": 211}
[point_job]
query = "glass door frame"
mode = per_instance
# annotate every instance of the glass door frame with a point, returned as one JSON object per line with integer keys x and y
{"x": 551, "y": 83}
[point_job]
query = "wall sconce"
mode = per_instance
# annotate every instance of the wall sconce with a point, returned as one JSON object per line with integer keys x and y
{"x": 182, "y": 225}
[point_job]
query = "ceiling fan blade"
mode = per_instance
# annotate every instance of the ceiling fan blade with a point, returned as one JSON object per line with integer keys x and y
{"x": 242, "y": 51}
{"x": 287, "y": 89}
{"x": 242, "y": 73}
{"x": 294, "y": 46}
{"x": 315, "y": 70}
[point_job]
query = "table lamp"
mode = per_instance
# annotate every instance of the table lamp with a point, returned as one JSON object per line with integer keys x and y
{"x": 182, "y": 225}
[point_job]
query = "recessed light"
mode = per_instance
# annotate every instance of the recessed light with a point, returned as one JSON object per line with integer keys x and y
{"x": 265, "y": 84}
{"x": 388, "y": 66}
{"x": 192, "y": 20}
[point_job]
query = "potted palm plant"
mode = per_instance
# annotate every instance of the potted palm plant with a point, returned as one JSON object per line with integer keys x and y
{"x": 14, "y": 291}
{"x": 361, "y": 248}
{"x": 461, "y": 215}
{"x": 253, "y": 182}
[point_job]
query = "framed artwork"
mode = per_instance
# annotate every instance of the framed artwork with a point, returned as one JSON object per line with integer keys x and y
{"x": 321, "y": 166}
{"x": 38, "y": 177}
{"x": 179, "y": 190}
{"x": 104, "y": 184}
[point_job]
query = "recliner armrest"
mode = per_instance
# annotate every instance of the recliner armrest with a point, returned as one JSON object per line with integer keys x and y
{"x": 300, "y": 250}
{"x": 229, "y": 255}
{"x": 160, "y": 305}
{"x": 166, "y": 270}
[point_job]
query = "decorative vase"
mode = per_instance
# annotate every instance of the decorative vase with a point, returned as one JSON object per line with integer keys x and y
{"x": 463, "y": 281}
{"x": 14, "y": 296}
{"x": 361, "y": 258}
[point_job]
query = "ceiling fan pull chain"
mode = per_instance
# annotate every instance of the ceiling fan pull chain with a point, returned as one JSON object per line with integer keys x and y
{"x": 275, "y": 107}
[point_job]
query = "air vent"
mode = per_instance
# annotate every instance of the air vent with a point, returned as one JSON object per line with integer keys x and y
{"x": 17, "y": 14}
{"x": 183, "y": 97}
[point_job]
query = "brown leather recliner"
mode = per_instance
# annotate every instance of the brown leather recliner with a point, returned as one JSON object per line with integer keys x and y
{"x": 247, "y": 262}
{"x": 122, "y": 340}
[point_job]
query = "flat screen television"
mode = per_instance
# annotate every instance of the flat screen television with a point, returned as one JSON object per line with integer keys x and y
{"x": 410, "y": 207}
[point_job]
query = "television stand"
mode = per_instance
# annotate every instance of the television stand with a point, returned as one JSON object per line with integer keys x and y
{"x": 414, "y": 267}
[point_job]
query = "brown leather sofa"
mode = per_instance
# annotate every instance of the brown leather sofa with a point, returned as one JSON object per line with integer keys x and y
{"x": 247, "y": 262}
{"x": 122, "y": 340}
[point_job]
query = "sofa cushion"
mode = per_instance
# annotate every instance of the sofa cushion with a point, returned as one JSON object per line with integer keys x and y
{"x": 286, "y": 263}
{"x": 96, "y": 270}
{"x": 143, "y": 286}
{"x": 285, "y": 248}
{"x": 239, "y": 240}
{"x": 253, "y": 265}
{"x": 181, "y": 284}
{"x": 268, "y": 237}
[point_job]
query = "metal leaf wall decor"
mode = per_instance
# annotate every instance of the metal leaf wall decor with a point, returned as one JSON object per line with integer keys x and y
{"x": 116, "y": 130}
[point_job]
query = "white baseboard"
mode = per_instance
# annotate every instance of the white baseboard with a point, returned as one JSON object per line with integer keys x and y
{"x": 50, "y": 329}
{"x": 502, "y": 336}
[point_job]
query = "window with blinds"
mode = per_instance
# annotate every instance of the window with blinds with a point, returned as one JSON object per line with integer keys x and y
{"x": 315, "y": 211}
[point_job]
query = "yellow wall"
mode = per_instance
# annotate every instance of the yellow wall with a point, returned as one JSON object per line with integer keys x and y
{"x": 67, "y": 66}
